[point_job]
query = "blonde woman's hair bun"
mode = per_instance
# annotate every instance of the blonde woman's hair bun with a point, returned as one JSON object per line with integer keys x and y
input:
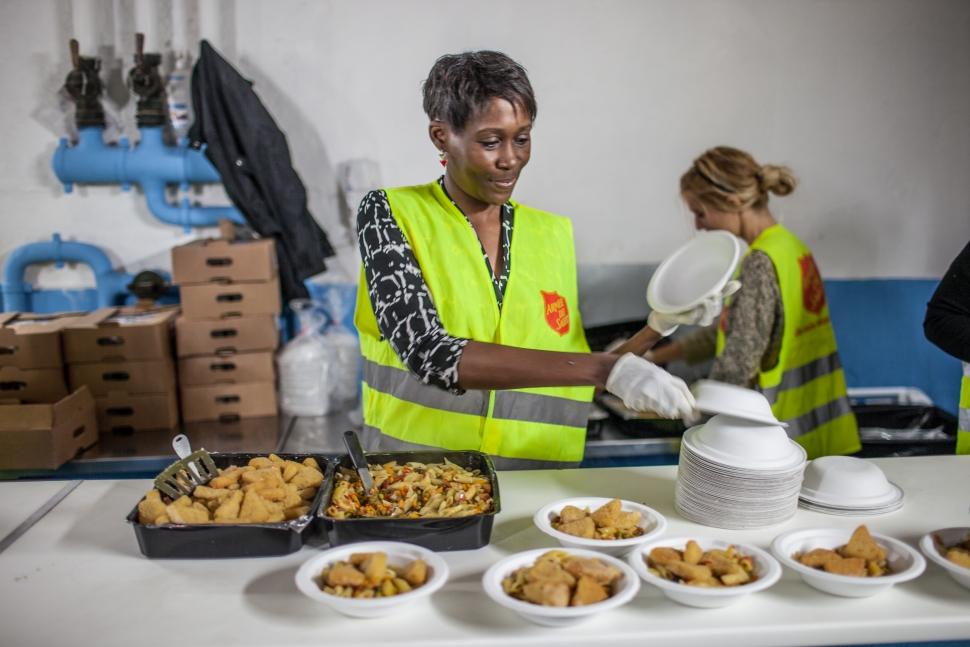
{"x": 776, "y": 179}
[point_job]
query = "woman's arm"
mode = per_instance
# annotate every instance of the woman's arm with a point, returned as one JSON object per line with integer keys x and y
{"x": 492, "y": 366}
{"x": 947, "y": 322}
{"x": 751, "y": 319}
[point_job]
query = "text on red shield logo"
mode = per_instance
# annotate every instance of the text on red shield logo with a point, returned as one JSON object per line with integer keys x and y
{"x": 813, "y": 293}
{"x": 556, "y": 311}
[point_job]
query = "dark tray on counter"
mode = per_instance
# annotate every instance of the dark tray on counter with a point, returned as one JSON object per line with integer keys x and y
{"x": 239, "y": 539}
{"x": 449, "y": 533}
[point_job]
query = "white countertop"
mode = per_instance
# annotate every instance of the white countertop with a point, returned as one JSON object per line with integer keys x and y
{"x": 77, "y": 577}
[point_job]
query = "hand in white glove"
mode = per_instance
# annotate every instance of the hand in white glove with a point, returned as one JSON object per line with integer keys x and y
{"x": 646, "y": 387}
{"x": 703, "y": 314}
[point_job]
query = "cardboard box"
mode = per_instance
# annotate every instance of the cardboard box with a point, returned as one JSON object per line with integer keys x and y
{"x": 29, "y": 340}
{"x": 120, "y": 334}
{"x": 227, "y": 402}
{"x": 104, "y": 378}
{"x": 202, "y": 261}
{"x": 122, "y": 413}
{"x": 228, "y": 369}
{"x": 29, "y": 385}
{"x": 45, "y": 436}
{"x": 226, "y": 336}
{"x": 217, "y": 300}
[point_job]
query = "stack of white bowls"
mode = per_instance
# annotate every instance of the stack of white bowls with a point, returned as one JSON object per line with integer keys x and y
{"x": 740, "y": 469}
{"x": 847, "y": 486}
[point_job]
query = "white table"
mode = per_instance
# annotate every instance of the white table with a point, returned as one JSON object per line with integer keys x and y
{"x": 77, "y": 577}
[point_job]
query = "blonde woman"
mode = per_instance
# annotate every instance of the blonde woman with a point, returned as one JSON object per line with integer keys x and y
{"x": 775, "y": 335}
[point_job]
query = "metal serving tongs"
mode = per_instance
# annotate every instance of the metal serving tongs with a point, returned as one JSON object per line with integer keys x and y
{"x": 360, "y": 463}
{"x": 191, "y": 470}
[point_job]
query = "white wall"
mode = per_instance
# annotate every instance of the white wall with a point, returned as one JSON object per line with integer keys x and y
{"x": 867, "y": 100}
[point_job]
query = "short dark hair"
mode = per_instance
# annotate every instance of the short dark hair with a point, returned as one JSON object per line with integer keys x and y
{"x": 459, "y": 85}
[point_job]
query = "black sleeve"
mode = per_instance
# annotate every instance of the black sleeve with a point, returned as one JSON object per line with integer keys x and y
{"x": 947, "y": 322}
{"x": 406, "y": 314}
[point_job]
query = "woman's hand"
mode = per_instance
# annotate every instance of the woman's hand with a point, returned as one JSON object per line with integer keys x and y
{"x": 644, "y": 386}
{"x": 701, "y": 315}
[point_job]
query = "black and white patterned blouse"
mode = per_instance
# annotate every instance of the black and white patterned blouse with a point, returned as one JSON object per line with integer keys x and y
{"x": 405, "y": 312}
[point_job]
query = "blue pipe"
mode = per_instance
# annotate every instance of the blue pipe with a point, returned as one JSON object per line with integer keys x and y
{"x": 109, "y": 282}
{"x": 151, "y": 164}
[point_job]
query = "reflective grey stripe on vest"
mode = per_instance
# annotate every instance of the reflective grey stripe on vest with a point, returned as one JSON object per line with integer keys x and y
{"x": 795, "y": 377}
{"x": 509, "y": 405}
{"x": 818, "y": 417}
{"x": 534, "y": 407}
{"x": 405, "y": 386}
{"x": 964, "y": 423}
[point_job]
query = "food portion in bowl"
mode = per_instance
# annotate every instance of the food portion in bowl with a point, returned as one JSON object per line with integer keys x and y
{"x": 268, "y": 489}
{"x": 607, "y": 522}
{"x": 862, "y": 556}
{"x": 412, "y": 490}
{"x": 368, "y": 575}
{"x": 958, "y": 553}
{"x": 696, "y": 567}
{"x": 558, "y": 579}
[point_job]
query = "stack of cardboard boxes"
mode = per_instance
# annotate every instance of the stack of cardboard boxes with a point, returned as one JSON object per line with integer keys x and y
{"x": 227, "y": 333}
{"x": 124, "y": 356}
{"x": 41, "y": 424}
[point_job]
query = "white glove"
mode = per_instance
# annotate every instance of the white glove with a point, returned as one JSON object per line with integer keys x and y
{"x": 644, "y": 386}
{"x": 703, "y": 314}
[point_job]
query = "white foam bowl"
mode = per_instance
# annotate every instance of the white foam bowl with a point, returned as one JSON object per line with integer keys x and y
{"x": 738, "y": 441}
{"x": 398, "y": 554}
{"x": 651, "y": 522}
{"x": 765, "y": 567}
{"x": 624, "y": 591}
{"x": 950, "y": 536}
{"x": 848, "y": 481}
{"x": 904, "y": 562}
{"x": 698, "y": 269}
{"x": 733, "y": 400}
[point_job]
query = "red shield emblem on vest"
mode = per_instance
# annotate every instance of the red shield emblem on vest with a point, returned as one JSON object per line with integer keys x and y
{"x": 813, "y": 294}
{"x": 556, "y": 311}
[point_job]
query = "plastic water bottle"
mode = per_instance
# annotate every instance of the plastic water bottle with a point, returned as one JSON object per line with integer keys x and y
{"x": 179, "y": 95}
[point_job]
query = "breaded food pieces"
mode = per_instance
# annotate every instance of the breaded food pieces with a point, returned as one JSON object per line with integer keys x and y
{"x": 588, "y": 591}
{"x": 546, "y": 593}
{"x": 373, "y": 567}
{"x": 606, "y": 515}
{"x": 692, "y": 552}
{"x": 959, "y": 556}
{"x": 550, "y": 571}
{"x": 818, "y": 557}
{"x": 584, "y": 527}
{"x": 187, "y": 514}
{"x": 228, "y": 511}
{"x": 598, "y": 570}
{"x": 151, "y": 507}
{"x": 416, "y": 573}
{"x": 687, "y": 571}
{"x": 342, "y": 574}
{"x": 663, "y": 555}
{"x": 571, "y": 513}
{"x": 853, "y": 566}
{"x": 861, "y": 544}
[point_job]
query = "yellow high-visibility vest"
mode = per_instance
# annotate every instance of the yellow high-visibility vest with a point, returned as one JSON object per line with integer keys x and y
{"x": 540, "y": 310}
{"x": 963, "y": 428}
{"x": 806, "y": 387}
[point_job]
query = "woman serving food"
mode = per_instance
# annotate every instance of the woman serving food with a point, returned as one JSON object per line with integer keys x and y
{"x": 467, "y": 308}
{"x": 775, "y": 335}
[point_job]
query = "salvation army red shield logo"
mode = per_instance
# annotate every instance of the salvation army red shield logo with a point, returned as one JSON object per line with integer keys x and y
{"x": 813, "y": 294}
{"x": 556, "y": 311}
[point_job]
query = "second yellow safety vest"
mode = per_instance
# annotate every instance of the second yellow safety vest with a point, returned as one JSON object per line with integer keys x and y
{"x": 963, "y": 426}
{"x": 806, "y": 387}
{"x": 539, "y": 311}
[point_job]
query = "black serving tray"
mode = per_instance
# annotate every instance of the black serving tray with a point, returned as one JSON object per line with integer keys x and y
{"x": 451, "y": 533}
{"x": 234, "y": 540}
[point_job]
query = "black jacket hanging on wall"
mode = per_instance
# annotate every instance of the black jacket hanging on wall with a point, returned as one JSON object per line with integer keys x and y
{"x": 252, "y": 156}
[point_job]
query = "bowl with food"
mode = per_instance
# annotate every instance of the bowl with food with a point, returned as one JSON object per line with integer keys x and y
{"x": 372, "y": 579}
{"x": 704, "y": 572}
{"x": 852, "y": 563}
{"x": 610, "y": 526}
{"x": 950, "y": 549}
{"x": 560, "y": 587}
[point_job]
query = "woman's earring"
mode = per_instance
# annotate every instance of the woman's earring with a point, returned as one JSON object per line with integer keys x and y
{"x": 441, "y": 158}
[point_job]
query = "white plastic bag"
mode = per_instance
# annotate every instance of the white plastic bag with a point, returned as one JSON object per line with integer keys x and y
{"x": 319, "y": 367}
